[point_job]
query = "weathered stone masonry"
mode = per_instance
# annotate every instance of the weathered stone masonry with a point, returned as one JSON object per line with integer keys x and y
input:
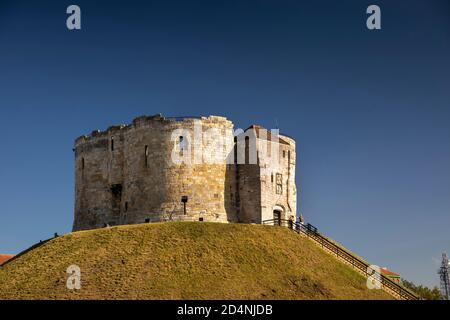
{"x": 126, "y": 175}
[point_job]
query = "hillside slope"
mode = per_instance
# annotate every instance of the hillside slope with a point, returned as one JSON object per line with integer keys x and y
{"x": 183, "y": 260}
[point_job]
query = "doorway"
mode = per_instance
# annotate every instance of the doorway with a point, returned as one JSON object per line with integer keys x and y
{"x": 277, "y": 217}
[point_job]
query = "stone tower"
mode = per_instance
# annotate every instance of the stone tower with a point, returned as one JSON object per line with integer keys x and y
{"x": 193, "y": 169}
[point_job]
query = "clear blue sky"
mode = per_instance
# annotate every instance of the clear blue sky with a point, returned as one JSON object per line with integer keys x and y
{"x": 370, "y": 110}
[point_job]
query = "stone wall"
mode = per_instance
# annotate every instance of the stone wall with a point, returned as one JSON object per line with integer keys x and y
{"x": 278, "y": 186}
{"x": 127, "y": 175}
{"x": 269, "y": 184}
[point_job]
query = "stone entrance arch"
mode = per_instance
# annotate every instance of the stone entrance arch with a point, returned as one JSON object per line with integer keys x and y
{"x": 278, "y": 214}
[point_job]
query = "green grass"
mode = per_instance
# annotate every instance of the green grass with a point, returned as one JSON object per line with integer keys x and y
{"x": 183, "y": 260}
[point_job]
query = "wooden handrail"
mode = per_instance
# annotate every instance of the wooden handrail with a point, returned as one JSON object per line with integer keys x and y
{"x": 346, "y": 255}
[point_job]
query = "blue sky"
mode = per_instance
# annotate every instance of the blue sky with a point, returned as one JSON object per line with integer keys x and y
{"x": 370, "y": 110}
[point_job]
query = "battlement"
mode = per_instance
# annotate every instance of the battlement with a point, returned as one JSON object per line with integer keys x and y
{"x": 144, "y": 120}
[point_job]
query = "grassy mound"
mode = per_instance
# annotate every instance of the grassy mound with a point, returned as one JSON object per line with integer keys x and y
{"x": 183, "y": 260}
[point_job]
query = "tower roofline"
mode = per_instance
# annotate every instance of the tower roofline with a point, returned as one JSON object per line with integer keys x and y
{"x": 258, "y": 128}
{"x": 144, "y": 118}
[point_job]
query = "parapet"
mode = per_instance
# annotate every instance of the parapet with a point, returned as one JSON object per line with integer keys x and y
{"x": 145, "y": 120}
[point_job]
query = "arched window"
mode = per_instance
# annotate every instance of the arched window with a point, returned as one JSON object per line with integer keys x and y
{"x": 146, "y": 153}
{"x": 182, "y": 144}
{"x": 247, "y": 150}
{"x": 112, "y": 143}
{"x": 235, "y": 151}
